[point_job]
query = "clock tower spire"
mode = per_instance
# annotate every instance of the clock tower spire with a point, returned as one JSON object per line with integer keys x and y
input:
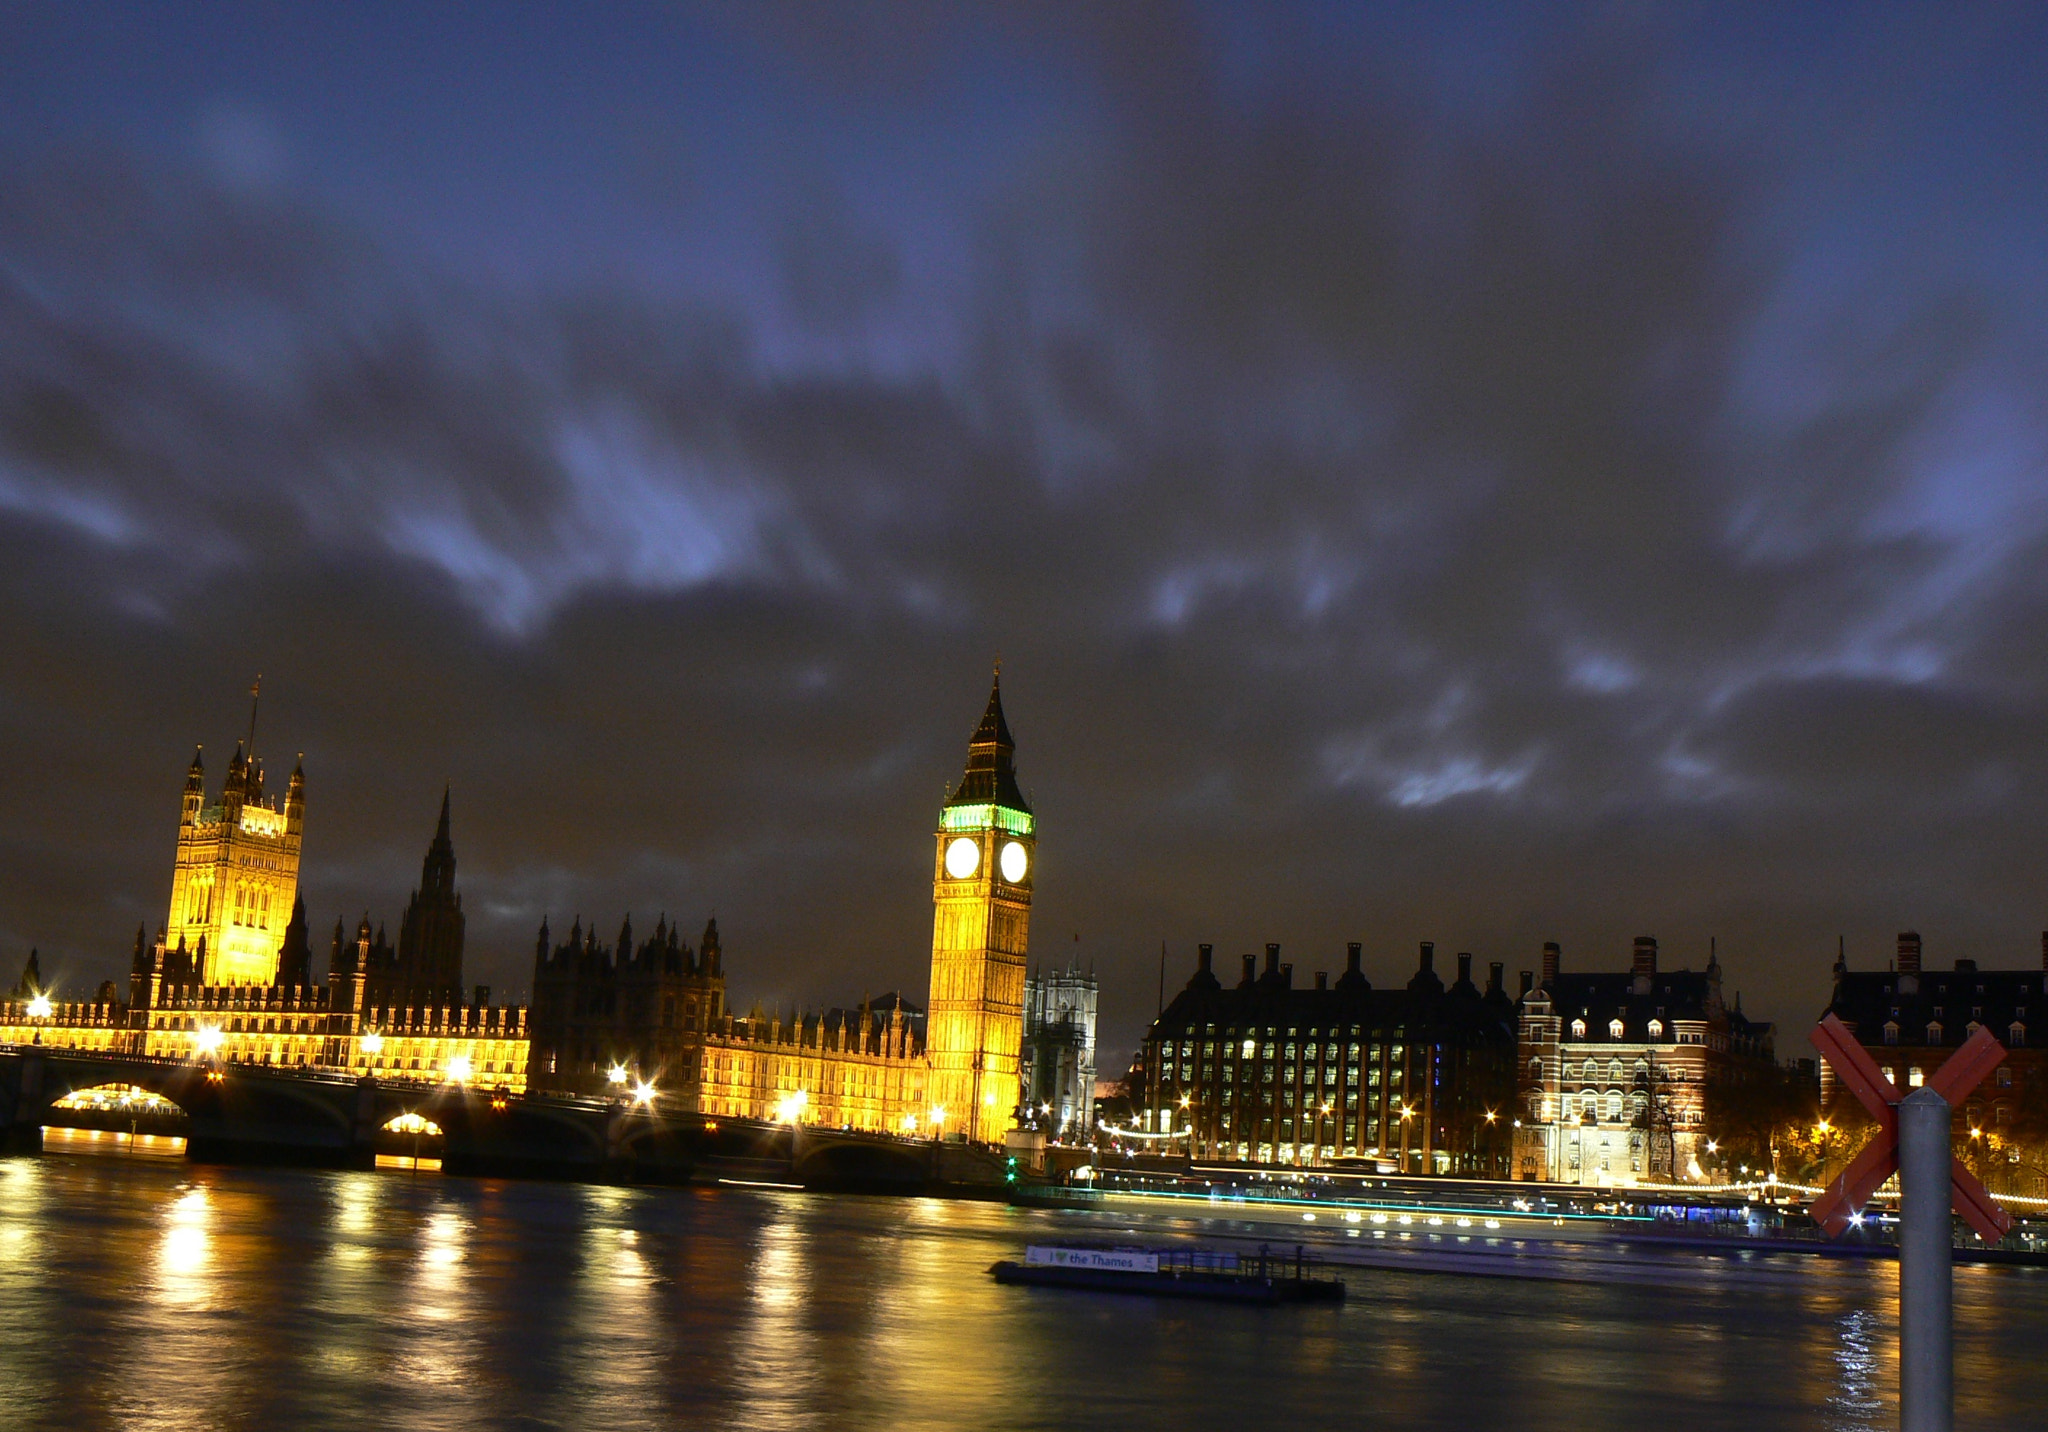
{"x": 986, "y": 861}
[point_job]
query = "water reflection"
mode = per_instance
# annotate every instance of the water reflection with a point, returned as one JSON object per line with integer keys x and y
{"x": 238, "y": 1298}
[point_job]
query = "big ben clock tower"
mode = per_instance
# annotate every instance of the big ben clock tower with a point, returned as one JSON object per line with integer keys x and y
{"x": 986, "y": 860}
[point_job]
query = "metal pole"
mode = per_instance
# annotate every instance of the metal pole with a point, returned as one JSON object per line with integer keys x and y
{"x": 1926, "y": 1270}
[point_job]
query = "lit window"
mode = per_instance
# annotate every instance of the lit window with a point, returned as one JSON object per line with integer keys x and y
{"x": 1578, "y": 1029}
{"x": 1656, "y": 1029}
{"x": 1614, "y": 1029}
{"x": 1934, "y": 1032}
{"x": 1914, "y": 1078}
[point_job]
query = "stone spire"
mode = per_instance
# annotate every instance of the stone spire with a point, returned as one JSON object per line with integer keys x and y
{"x": 991, "y": 775}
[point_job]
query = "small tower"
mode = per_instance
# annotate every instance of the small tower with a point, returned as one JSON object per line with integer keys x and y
{"x": 985, "y": 862}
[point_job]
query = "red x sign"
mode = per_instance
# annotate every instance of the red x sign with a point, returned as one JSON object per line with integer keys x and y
{"x": 1879, "y": 1160}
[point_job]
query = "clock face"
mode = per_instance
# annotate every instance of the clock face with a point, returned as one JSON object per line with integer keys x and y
{"x": 1015, "y": 861}
{"x": 963, "y": 857}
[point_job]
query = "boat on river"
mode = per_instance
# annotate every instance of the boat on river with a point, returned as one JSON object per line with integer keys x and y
{"x": 1174, "y": 1273}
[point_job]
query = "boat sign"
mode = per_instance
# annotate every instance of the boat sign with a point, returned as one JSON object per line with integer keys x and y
{"x": 1118, "y": 1260}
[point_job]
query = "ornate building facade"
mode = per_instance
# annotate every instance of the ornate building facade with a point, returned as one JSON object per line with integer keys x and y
{"x": 1616, "y": 1067}
{"x": 985, "y": 858}
{"x": 229, "y": 977}
{"x": 1419, "y": 1078}
{"x": 236, "y": 873}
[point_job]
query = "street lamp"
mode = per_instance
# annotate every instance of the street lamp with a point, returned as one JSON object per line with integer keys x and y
{"x": 40, "y": 1007}
{"x": 643, "y": 1093}
{"x": 616, "y": 1074}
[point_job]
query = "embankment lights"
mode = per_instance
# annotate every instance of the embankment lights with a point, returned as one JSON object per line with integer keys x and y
{"x": 207, "y": 1039}
{"x": 616, "y": 1074}
{"x": 909, "y": 1123}
{"x": 459, "y": 1069}
{"x": 644, "y": 1092}
{"x": 373, "y": 1043}
{"x": 40, "y": 1007}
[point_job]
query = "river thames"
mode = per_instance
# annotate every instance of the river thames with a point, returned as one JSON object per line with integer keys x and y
{"x": 156, "y": 1295}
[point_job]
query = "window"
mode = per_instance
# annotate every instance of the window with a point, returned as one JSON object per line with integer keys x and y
{"x": 1934, "y": 1031}
{"x": 1891, "y": 1032}
{"x": 1578, "y": 1029}
{"x": 1657, "y": 1032}
{"x": 1614, "y": 1029}
{"x": 1914, "y": 1078}
{"x": 2017, "y": 1035}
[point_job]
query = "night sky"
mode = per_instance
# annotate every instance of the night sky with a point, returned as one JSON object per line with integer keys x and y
{"x": 1436, "y": 474}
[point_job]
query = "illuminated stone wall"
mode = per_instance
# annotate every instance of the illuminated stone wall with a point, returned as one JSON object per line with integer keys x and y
{"x": 819, "y": 1071}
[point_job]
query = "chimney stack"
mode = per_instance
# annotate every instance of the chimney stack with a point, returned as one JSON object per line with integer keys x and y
{"x": 1909, "y": 952}
{"x": 1287, "y": 976}
{"x": 1645, "y": 963}
{"x": 1464, "y": 969}
{"x": 1322, "y": 979}
{"x": 1428, "y": 956}
{"x": 1552, "y": 954}
{"x": 1203, "y": 961}
{"x": 1250, "y": 971}
{"x": 1352, "y": 950}
{"x": 1528, "y": 982}
{"x": 1495, "y": 969}
{"x": 2044, "y": 949}
{"x": 1272, "y": 962}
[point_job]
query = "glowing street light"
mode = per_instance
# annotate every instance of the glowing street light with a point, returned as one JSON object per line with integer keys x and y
{"x": 459, "y": 1069}
{"x": 40, "y": 1007}
{"x": 790, "y": 1110}
{"x": 206, "y": 1039}
{"x": 643, "y": 1093}
{"x": 373, "y": 1042}
{"x": 616, "y": 1074}
{"x": 910, "y": 1123}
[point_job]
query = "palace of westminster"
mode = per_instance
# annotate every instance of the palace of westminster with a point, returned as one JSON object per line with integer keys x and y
{"x": 230, "y": 977}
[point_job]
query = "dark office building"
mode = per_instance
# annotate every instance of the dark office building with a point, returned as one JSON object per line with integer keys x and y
{"x": 1420, "y": 1077}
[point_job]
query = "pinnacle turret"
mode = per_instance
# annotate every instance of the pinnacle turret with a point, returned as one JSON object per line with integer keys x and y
{"x": 991, "y": 774}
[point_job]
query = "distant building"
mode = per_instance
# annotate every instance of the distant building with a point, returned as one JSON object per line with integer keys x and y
{"x": 1615, "y": 1068}
{"x": 1911, "y": 1019}
{"x": 1421, "y": 1078}
{"x": 1058, "y": 1066}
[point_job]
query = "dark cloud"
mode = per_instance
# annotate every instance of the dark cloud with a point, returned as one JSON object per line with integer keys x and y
{"x": 1398, "y": 519}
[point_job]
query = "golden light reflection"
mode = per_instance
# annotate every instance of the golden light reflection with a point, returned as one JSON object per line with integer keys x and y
{"x": 185, "y": 1255}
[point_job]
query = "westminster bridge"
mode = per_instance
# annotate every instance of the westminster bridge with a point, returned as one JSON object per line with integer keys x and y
{"x": 273, "y": 1115}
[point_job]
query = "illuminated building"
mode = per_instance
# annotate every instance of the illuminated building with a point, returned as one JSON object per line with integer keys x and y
{"x": 984, "y": 862}
{"x": 1615, "y": 1069}
{"x": 229, "y": 977}
{"x": 237, "y": 872}
{"x": 1265, "y": 1072}
{"x": 1058, "y": 1070}
{"x": 1912, "y": 1019}
{"x": 605, "y": 1016}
